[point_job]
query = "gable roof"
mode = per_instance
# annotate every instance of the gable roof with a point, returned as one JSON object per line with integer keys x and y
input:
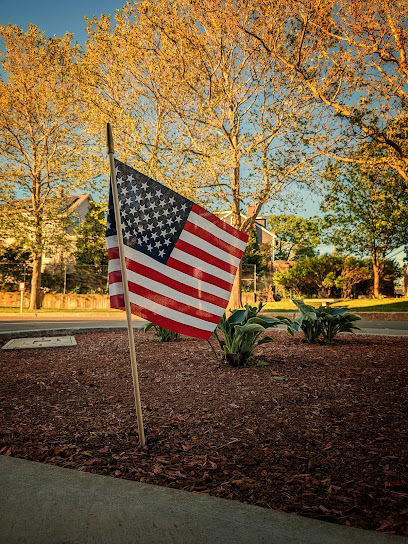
{"x": 76, "y": 200}
{"x": 226, "y": 213}
{"x": 67, "y": 203}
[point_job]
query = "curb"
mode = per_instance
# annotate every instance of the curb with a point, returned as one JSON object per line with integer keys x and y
{"x": 37, "y": 315}
{"x": 9, "y": 335}
{"x": 383, "y": 316}
{"x": 365, "y": 316}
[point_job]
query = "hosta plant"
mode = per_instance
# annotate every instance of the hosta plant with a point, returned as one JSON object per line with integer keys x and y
{"x": 162, "y": 334}
{"x": 322, "y": 323}
{"x": 241, "y": 333}
{"x": 337, "y": 320}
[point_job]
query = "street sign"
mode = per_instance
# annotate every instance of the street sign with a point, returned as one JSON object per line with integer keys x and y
{"x": 21, "y": 285}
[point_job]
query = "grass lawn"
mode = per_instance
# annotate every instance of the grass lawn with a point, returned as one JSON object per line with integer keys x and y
{"x": 362, "y": 305}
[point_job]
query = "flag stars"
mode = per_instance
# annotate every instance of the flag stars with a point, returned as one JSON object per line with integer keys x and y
{"x": 146, "y": 216}
{"x": 152, "y": 215}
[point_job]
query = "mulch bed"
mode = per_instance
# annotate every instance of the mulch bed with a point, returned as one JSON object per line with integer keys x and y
{"x": 321, "y": 431}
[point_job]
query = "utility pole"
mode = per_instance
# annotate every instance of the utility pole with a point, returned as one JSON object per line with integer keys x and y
{"x": 255, "y": 282}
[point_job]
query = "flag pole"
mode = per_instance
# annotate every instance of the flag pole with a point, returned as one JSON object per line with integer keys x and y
{"x": 125, "y": 286}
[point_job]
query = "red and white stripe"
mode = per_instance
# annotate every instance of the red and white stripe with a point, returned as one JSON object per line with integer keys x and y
{"x": 190, "y": 292}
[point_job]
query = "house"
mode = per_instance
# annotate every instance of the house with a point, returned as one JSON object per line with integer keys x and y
{"x": 76, "y": 206}
{"x": 264, "y": 235}
{"x": 79, "y": 206}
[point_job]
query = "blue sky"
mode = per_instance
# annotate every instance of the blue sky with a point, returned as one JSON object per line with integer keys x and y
{"x": 56, "y": 16}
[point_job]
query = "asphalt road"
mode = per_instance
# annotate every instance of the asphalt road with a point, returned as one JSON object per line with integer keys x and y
{"x": 20, "y": 324}
{"x": 30, "y": 324}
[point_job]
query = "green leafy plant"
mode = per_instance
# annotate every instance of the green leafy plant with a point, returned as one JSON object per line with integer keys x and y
{"x": 162, "y": 334}
{"x": 325, "y": 322}
{"x": 337, "y": 320}
{"x": 242, "y": 332}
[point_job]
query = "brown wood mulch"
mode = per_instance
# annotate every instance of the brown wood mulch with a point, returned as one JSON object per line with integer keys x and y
{"x": 321, "y": 431}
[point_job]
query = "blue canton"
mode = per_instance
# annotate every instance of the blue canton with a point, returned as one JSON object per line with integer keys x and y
{"x": 152, "y": 215}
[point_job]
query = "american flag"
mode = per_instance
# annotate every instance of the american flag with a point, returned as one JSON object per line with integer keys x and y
{"x": 181, "y": 260}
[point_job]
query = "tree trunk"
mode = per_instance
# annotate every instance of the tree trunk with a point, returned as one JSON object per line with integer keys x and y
{"x": 235, "y": 301}
{"x": 376, "y": 272}
{"x": 35, "y": 302}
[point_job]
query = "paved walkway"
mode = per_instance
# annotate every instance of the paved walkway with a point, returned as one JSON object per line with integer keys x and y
{"x": 43, "y": 504}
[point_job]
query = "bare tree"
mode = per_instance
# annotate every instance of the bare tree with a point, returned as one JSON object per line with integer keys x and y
{"x": 122, "y": 84}
{"x": 41, "y": 141}
{"x": 351, "y": 57}
{"x": 230, "y": 117}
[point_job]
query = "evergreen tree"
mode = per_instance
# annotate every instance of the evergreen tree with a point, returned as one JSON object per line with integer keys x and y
{"x": 91, "y": 248}
{"x": 253, "y": 255}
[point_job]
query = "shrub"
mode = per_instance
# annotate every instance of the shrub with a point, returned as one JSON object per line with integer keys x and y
{"x": 241, "y": 333}
{"x": 325, "y": 322}
{"x": 162, "y": 334}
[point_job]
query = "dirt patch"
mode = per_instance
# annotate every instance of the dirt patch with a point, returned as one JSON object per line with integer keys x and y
{"x": 320, "y": 431}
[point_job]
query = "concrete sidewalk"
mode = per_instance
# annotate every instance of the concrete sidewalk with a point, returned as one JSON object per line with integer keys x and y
{"x": 50, "y": 505}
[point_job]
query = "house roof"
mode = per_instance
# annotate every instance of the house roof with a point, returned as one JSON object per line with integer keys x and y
{"x": 225, "y": 213}
{"x": 76, "y": 200}
{"x": 68, "y": 202}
